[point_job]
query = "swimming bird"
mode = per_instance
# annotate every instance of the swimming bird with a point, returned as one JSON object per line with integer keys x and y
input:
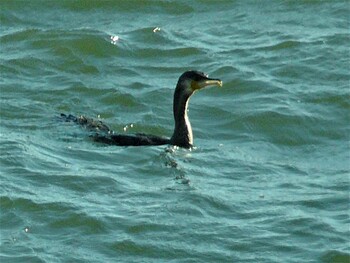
{"x": 188, "y": 83}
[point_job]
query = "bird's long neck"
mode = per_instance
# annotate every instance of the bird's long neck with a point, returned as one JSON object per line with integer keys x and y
{"x": 183, "y": 131}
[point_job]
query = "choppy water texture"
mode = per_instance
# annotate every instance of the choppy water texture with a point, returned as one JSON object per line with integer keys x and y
{"x": 268, "y": 180}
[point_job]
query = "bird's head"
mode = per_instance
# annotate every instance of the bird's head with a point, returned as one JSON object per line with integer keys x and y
{"x": 190, "y": 81}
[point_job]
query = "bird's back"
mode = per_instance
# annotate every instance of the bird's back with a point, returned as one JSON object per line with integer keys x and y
{"x": 139, "y": 139}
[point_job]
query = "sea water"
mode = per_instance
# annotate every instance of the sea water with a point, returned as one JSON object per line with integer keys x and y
{"x": 268, "y": 179}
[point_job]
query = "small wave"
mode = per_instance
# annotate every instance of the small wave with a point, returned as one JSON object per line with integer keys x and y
{"x": 335, "y": 256}
{"x": 20, "y": 35}
{"x": 283, "y": 45}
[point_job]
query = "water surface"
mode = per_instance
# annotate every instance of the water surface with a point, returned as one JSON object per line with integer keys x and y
{"x": 268, "y": 180}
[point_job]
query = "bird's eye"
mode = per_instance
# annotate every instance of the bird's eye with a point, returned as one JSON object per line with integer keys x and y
{"x": 204, "y": 75}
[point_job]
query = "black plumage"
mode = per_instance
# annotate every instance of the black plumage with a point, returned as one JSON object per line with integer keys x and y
{"x": 188, "y": 83}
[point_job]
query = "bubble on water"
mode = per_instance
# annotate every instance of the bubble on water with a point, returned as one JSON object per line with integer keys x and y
{"x": 114, "y": 39}
{"x": 156, "y": 29}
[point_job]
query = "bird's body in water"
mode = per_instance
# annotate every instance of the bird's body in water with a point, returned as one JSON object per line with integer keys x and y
{"x": 188, "y": 83}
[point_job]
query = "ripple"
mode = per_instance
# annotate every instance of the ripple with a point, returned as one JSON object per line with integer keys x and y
{"x": 335, "y": 256}
{"x": 29, "y": 205}
{"x": 290, "y": 44}
{"x": 270, "y": 171}
{"x": 88, "y": 224}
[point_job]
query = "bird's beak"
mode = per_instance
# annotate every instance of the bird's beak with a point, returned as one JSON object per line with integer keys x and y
{"x": 205, "y": 83}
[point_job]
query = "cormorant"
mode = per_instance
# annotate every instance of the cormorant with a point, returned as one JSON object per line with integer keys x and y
{"x": 188, "y": 83}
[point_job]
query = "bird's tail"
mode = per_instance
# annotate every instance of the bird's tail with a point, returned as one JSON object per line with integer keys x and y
{"x": 88, "y": 123}
{"x": 68, "y": 118}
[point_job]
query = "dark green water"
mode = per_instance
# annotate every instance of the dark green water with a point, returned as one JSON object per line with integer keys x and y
{"x": 269, "y": 178}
